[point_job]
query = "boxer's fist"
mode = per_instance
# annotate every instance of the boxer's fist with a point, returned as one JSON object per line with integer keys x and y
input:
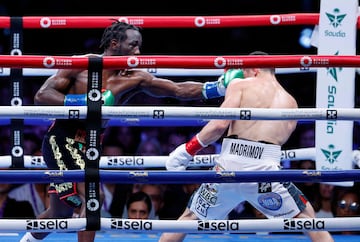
{"x": 108, "y": 98}
{"x": 229, "y": 75}
{"x": 178, "y": 159}
{"x": 218, "y": 88}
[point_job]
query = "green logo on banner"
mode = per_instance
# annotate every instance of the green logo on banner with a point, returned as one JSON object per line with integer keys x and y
{"x": 334, "y": 70}
{"x": 330, "y": 154}
{"x": 335, "y": 18}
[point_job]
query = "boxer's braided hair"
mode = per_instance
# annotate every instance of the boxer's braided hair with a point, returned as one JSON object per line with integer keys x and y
{"x": 115, "y": 31}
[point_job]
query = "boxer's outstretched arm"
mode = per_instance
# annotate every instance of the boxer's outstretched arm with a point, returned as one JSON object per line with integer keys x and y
{"x": 160, "y": 87}
{"x": 188, "y": 90}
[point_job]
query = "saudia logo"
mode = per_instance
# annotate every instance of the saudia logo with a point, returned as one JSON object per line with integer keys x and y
{"x": 292, "y": 224}
{"x": 331, "y": 96}
{"x": 330, "y": 154}
{"x": 333, "y": 70}
{"x": 335, "y": 20}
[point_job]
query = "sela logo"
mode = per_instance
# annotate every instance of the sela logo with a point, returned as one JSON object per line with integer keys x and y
{"x": 203, "y": 160}
{"x": 125, "y": 161}
{"x": 293, "y": 224}
{"x": 124, "y": 224}
{"x": 288, "y": 154}
{"x": 217, "y": 225}
{"x": 54, "y": 224}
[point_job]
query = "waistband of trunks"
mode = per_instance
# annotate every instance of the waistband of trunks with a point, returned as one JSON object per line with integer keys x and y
{"x": 250, "y": 149}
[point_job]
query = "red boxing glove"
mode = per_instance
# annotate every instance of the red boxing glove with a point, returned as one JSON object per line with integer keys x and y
{"x": 194, "y": 145}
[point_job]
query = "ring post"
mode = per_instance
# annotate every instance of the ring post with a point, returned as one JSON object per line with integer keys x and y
{"x": 336, "y": 85}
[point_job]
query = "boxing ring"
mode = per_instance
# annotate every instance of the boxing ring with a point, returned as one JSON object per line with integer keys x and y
{"x": 149, "y": 230}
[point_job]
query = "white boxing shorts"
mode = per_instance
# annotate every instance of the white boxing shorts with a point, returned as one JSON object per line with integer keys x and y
{"x": 273, "y": 199}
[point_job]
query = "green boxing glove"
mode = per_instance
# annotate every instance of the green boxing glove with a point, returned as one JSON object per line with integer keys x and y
{"x": 108, "y": 99}
{"x": 218, "y": 88}
{"x": 231, "y": 74}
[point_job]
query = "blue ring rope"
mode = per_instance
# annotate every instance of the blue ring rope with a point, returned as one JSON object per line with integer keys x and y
{"x": 179, "y": 177}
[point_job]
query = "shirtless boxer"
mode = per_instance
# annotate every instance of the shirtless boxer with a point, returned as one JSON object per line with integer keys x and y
{"x": 64, "y": 143}
{"x": 251, "y": 145}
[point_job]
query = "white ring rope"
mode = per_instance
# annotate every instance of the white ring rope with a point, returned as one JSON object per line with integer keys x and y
{"x": 184, "y": 226}
{"x": 137, "y": 162}
{"x": 158, "y": 71}
{"x": 171, "y": 113}
{"x": 122, "y": 122}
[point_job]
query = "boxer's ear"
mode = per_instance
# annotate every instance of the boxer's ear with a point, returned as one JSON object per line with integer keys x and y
{"x": 113, "y": 42}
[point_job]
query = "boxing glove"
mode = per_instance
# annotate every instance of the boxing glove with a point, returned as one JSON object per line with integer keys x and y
{"x": 179, "y": 159}
{"x": 218, "y": 88}
{"x": 108, "y": 99}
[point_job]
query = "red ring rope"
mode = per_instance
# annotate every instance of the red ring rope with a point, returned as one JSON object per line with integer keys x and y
{"x": 213, "y": 62}
{"x": 36, "y": 22}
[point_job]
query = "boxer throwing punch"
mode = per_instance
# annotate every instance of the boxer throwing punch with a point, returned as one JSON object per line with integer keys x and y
{"x": 64, "y": 144}
{"x": 250, "y": 145}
